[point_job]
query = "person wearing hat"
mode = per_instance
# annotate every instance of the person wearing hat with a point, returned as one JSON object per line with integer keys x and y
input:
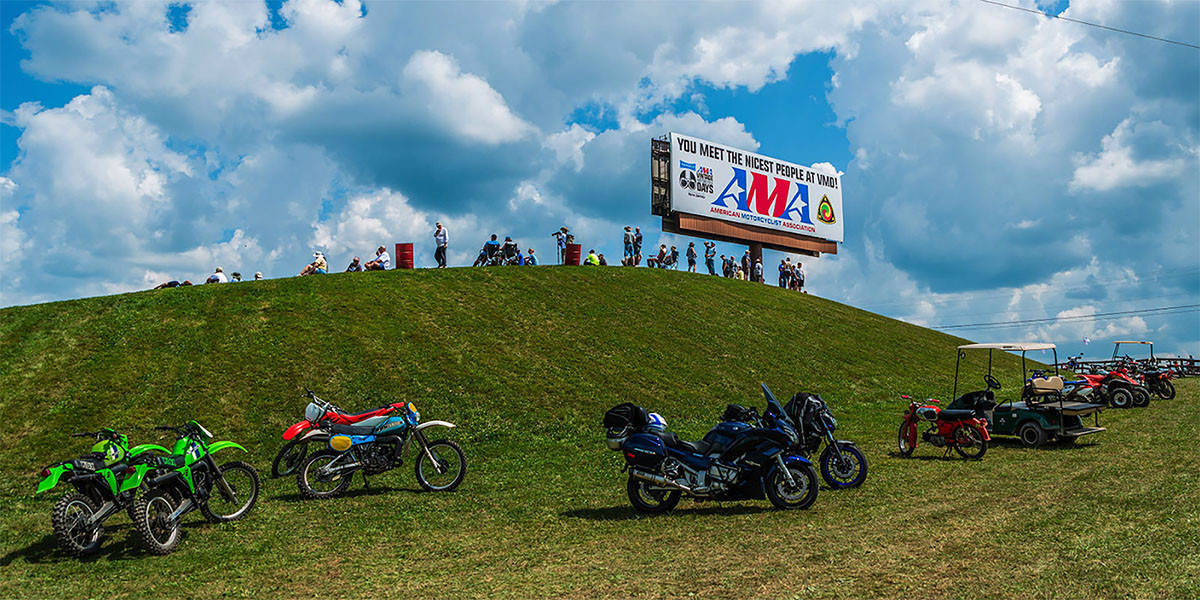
{"x": 440, "y": 239}
{"x": 258, "y": 275}
{"x": 318, "y": 265}
{"x": 758, "y": 271}
{"x": 560, "y": 237}
{"x": 710, "y": 251}
{"x": 218, "y": 276}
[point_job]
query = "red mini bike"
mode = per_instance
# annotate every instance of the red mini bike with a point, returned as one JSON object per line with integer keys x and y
{"x": 319, "y": 416}
{"x": 962, "y": 430}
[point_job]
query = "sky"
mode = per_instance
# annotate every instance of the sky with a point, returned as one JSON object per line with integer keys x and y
{"x": 997, "y": 165}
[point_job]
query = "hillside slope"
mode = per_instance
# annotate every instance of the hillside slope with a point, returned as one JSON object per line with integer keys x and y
{"x": 526, "y": 361}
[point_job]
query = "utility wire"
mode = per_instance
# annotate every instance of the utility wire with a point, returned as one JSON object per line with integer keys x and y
{"x": 1054, "y": 16}
{"x": 1087, "y": 319}
{"x": 1161, "y": 309}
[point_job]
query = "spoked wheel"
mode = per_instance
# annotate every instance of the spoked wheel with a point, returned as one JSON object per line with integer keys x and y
{"x": 650, "y": 499}
{"x": 290, "y": 457}
{"x": 233, "y": 500}
{"x": 1141, "y": 397}
{"x": 903, "y": 445}
{"x": 70, "y": 521}
{"x": 969, "y": 442}
{"x": 843, "y": 470}
{"x": 155, "y": 529}
{"x": 441, "y": 466}
{"x": 1165, "y": 389}
{"x": 316, "y": 484}
{"x": 800, "y": 494}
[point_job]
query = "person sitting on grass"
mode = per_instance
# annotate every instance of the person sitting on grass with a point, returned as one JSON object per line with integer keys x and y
{"x": 603, "y": 263}
{"x": 382, "y": 261}
{"x": 218, "y": 276}
{"x": 317, "y": 266}
{"x": 258, "y": 275}
{"x": 355, "y": 266}
{"x": 658, "y": 261}
{"x": 592, "y": 260}
{"x": 531, "y": 259}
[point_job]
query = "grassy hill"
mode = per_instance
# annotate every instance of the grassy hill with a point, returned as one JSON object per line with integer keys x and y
{"x": 525, "y": 361}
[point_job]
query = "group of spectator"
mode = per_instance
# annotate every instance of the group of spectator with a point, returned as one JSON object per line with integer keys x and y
{"x": 495, "y": 253}
{"x": 218, "y": 276}
{"x": 320, "y": 266}
{"x": 791, "y": 276}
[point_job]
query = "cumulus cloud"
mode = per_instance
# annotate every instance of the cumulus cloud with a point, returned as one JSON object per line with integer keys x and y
{"x": 464, "y": 102}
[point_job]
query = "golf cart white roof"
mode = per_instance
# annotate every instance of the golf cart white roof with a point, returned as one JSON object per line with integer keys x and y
{"x": 1132, "y": 342}
{"x": 1009, "y": 346}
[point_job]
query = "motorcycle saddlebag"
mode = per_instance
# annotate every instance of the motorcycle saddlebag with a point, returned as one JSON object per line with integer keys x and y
{"x": 644, "y": 451}
{"x": 626, "y": 415}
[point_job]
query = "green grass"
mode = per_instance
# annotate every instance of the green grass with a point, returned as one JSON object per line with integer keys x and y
{"x": 525, "y": 361}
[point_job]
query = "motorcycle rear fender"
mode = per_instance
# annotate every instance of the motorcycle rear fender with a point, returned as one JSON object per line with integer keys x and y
{"x": 296, "y": 430}
{"x": 981, "y": 425}
{"x": 56, "y": 473}
{"x": 434, "y": 424}
{"x": 136, "y": 450}
{"x": 134, "y": 480}
{"x": 218, "y": 446}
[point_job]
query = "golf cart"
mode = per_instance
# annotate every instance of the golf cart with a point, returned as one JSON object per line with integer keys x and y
{"x": 1117, "y": 349}
{"x": 1042, "y": 412}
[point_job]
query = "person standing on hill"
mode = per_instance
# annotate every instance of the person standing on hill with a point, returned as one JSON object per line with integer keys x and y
{"x": 560, "y": 237}
{"x": 800, "y": 277}
{"x": 784, "y": 272}
{"x": 691, "y": 256}
{"x": 710, "y": 250}
{"x": 627, "y": 259}
{"x": 746, "y": 263}
{"x": 758, "y": 271}
{"x": 637, "y": 246}
{"x": 440, "y": 239}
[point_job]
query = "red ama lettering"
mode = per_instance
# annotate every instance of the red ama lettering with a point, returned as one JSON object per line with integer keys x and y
{"x": 772, "y": 204}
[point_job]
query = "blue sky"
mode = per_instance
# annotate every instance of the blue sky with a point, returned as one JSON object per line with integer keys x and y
{"x": 998, "y": 165}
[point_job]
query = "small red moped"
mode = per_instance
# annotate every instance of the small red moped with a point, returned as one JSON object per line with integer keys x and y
{"x": 961, "y": 430}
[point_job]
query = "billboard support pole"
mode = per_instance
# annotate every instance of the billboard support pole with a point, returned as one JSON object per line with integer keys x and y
{"x": 756, "y": 249}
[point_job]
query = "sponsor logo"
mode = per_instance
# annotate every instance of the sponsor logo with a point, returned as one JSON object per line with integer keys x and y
{"x": 765, "y": 198}
{"x": 825, "y": 211}
{"x": 695, "y": 179}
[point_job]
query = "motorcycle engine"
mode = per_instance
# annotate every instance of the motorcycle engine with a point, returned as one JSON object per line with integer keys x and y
{"x": 379, "y": 457}
{"x": 936, "y": 440}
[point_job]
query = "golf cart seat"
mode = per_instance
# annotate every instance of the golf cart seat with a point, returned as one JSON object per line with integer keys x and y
{"x": 955, "y": 414}
{"x": 1043, "y": 386}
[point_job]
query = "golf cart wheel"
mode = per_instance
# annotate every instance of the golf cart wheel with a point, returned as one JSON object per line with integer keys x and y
{"x": 1165, "y": 390}
{"x": 1120, "y": 398}
{"x": 1032, "y": 435}
{"x": 1141, "y": 397}
{"x": 969, "y": 442}
{"x": 902, "y": 445}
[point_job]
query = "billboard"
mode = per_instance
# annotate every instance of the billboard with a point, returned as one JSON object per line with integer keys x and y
{"x": 720, "y": 182}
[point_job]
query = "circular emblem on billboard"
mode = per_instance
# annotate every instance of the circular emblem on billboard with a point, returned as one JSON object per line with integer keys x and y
{"x": 825, "y": 211}
{"x": 687, "y": 180}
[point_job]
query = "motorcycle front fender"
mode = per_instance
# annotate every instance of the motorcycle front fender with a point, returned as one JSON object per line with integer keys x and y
{"x": 136, "y": 450}
{"x": 218, "y": 446}
{"x": 51, "y": 480}
{"x": 434, "y": 424}
{"x": 789, "y": 460}
{"x": 296, "y": 430}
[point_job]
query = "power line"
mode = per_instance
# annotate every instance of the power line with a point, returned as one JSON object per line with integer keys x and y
{"x": 1054, "y": 16}
{"x": 1070, "y": 318}
{"x": 1086, "y": 319}
{"x": 1069, "y": 306}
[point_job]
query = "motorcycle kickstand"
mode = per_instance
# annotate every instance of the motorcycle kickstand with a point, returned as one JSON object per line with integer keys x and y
{"x": 366, "y": 482}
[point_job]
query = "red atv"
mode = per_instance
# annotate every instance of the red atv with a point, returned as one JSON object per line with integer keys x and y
{"x": 1157, "y": 381}
{"x": 1116, "y": 388}
{"x": 963, "y": 430}
{"x": 319, "y": 416}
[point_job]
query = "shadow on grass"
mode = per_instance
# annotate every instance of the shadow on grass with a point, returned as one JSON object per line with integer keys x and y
{"x": 374, "y": 490}
{"x": 952, "y": 456}
{"x": 118, "y": 543}
{"x": 625, "y": 513}
{"x": 1049, "y": 446}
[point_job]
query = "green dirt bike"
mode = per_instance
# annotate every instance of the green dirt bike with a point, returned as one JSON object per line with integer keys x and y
{"x": 189, "y": 479}
{"x": 106, "y": 481}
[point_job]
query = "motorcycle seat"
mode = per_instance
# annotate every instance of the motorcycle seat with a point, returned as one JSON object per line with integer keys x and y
{"x": 370, "y": 413}
{"x": 673, "y": 441}
{"x": 353, "y": 429}
{"x": 955, "y": 414}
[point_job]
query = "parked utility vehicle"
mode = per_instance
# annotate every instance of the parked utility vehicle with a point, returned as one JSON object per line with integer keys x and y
{"x": 1042, "y": 413}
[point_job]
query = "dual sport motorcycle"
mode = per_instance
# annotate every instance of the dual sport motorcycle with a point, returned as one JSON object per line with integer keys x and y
{"x": 318, "y": 416}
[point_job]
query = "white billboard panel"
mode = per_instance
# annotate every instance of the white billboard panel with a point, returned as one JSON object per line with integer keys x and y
{"x": 720, "y": 182}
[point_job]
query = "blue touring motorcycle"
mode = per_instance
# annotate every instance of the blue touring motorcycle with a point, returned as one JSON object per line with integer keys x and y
{"x": 734, "y": 461}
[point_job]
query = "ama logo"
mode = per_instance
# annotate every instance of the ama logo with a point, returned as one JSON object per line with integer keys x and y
{"x": 760, "y": 198}
{"x": 825, "y": 211}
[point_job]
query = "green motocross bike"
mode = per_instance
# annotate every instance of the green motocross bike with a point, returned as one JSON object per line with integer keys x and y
{"x": 190, "y": 479}
{"x": 106, "y": 481}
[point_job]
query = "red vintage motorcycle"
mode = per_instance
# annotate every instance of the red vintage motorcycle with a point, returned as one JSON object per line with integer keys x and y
{"x": 319, "y": 416}
{"x": 963, "y": 430}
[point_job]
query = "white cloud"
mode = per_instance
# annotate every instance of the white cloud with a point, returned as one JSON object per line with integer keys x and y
{"x": 464, "y": 102}
{"x": 1115, "y": 165}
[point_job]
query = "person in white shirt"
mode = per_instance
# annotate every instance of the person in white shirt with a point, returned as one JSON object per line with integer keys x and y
{"x": 218, "y": 276}
{"x": 800, "y": 277}
{"x": 382, "y": 261}
{"x": 440, "y": 238}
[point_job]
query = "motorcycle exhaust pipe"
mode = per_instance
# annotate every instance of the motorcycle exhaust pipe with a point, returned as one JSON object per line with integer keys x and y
{"x": 659, "y": 480}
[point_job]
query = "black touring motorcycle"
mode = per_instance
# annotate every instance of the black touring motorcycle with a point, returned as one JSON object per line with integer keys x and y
{"x": 843, "y": 465}
{"x": 734, "y": 461}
